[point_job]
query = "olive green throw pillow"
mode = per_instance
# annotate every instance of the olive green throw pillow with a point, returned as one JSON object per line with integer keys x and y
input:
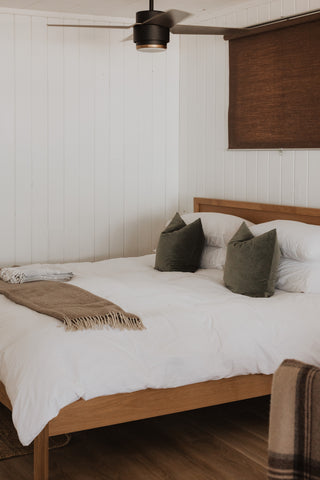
{"x": 180, "y": 246}
{"x": 252, "y": 263}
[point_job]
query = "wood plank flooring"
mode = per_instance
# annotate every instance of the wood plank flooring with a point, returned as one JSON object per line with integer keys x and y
{"x": 227, "y": 442}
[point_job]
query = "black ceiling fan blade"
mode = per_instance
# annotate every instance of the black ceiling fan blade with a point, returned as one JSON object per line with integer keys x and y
{"x": 90, "y": 26}
{"x": 167, "y": 19}
{"x": 204, "y": 30}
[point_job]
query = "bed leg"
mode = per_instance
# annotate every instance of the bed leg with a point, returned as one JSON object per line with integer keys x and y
{"x": 41, "y": 455}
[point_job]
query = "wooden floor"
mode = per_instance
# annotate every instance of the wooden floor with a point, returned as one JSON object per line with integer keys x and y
{"x": 218, "y": 443}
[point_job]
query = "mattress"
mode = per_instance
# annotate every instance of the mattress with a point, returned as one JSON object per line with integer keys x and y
{"x": 196, "y": 330}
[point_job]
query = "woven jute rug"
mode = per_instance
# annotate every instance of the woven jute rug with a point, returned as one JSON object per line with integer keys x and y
{"x": 10, "y": 445}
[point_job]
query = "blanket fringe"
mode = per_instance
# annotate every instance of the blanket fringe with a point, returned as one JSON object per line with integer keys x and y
{"x": 111, "y": 319}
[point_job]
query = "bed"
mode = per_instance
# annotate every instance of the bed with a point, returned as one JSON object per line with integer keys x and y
{"x": 103, "y": 410}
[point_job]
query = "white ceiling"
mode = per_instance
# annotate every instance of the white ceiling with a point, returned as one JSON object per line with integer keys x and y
{"x": 118, "y": 8}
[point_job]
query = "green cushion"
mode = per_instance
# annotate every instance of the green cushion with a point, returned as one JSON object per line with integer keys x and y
{"x": 252, "y": 263}
{"x": 180, "y": 246}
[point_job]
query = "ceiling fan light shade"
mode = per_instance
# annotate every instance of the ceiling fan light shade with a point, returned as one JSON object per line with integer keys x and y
{"x": 151, "y": 48}
{"x": 149, "y": 37}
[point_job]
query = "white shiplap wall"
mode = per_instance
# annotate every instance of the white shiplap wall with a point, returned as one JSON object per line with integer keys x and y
{"x": 88, "y": 142}
{"x": 207, "y": 168}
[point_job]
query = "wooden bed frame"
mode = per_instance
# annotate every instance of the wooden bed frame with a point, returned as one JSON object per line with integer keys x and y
{"x": 125, "y": 407}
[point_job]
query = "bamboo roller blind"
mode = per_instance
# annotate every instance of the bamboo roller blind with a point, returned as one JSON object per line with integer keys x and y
{"x": 274, "y": 97}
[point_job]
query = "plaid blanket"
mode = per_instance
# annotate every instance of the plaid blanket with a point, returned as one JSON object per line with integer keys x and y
{"x": 294, "y": 432}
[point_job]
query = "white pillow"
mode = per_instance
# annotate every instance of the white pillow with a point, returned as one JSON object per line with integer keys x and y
{"x": 297, "y": 240}
{"x": 213, "y": 257}
{"x": 218, "y": 228}
{"x": 295, "y": 276}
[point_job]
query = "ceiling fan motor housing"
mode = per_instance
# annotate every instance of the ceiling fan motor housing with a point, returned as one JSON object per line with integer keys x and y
{"x": 148, "y": 34}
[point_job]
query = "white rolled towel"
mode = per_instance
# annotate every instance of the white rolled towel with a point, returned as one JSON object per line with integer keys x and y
{"x": 33, "y": 273}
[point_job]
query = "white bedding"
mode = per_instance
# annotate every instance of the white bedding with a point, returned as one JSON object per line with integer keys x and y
{"x": 196, "y": 330}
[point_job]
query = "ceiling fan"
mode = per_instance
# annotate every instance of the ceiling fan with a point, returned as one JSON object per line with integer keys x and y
{"x": 152, "y": 29}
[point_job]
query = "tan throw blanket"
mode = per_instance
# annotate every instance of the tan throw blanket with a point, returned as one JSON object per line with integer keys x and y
{"x": 78, "y": 309}
{"x": 294, "y": 433}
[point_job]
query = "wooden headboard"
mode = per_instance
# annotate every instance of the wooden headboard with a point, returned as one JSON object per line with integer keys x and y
{"x": 258, "y": 212}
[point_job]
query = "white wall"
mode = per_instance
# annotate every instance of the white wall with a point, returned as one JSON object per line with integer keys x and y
{"x": 88, "y": 142}
{"x": 207, "y": 168}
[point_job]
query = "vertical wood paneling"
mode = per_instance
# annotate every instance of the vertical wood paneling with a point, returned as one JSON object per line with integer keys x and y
{"x": 102, "y": 141}
{"x": 39, "y": 140}
{"x": 252, "y": 176}
{"x": 263, "y": 177}
{"x": 90, "y": 138}
{"x": 275, "y": 174}
{"x": 145, "y": 131}
{"x": 210, "y": 114}
{"x": 301, "y": 6}
{"x": 55, "y": 144}
{"x": 288, "y": 7}
{"x": 185, "y": 89}
{"x": 116, "y": 172}
{"x": 314, "y": 4}
{"x": 7, "y": 140}
{"x": 201, "y": 80}
{"x": 264, "y": 12}
{"x": 276, "y": 8}
{"x": 220, "y": 85}
{"x": 301, "y": 172}
{"x": 89, "y": 150}
{"x": 288, "y": 177}
{"x": 193, "y": 117}
{"x": 23, "y": 137}
{"x": 188, "y": 104}
{"x": 172, "y": 104}
{"x": 240, "y": 176}
{"x": 313, "y": 179}
{"x": 71, "y": 105}
{"x": 158, "y": 157}
{"x": 131, "y": 150}
{"x": 86, "y": 142}
{"x": 229, "y": 175}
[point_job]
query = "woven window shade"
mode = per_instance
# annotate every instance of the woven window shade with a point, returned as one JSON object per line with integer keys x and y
{"x": 275, "y": 88}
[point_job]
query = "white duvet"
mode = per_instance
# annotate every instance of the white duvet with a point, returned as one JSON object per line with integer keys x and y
{"x": 196, "y": 330}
